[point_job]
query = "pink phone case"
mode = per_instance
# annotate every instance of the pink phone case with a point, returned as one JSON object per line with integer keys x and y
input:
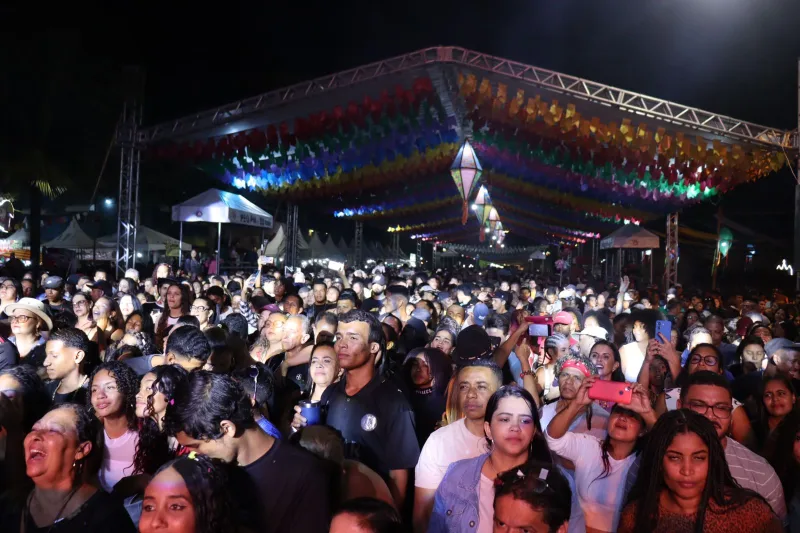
{"x": 611, "y": 391}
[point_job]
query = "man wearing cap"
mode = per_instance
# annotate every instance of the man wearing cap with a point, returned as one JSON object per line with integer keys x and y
{"x": 588, "y": 337}
{"x": 374, "y": 303}
{"x": 100, "y": 288}
{"x": 783, "y": 356}
{"x": 479, "y": 314}
{"x": 570, "y": 372}
{"x": 54, "y": 294}
{"x": 501, "y": 301}
{"x": 426, "y": 292}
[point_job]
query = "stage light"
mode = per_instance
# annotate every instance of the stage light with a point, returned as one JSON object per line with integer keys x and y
{"x": 109, "y": 202}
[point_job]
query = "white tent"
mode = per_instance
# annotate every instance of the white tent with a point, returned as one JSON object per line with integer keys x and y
{"x": 16, "y": 241}
{"x": 148, "y": 240}
{"x": 72, "y": 238}
{"x": 220, "y": 207}
{"x": 316, "y": 247}
{"x": 277, "y": 246}
{"x": 331, "y": 250}
{"x": 630, "y": 236}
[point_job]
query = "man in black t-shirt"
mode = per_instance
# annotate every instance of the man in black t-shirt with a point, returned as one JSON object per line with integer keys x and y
{"x": 278, "y": 487}
{"x": 320, "y": 300}
{"x": 373, "y": 415}
{"x": 66, "y": 351}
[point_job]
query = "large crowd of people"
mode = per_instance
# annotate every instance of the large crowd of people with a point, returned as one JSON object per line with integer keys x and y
{"x": 393, "y": 400}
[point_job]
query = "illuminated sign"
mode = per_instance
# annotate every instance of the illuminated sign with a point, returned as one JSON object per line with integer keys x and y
{"x": 784, "y": 266}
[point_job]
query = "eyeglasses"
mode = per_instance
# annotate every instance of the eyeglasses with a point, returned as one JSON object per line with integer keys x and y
{"x": 564, "y": 376}
{"x": 80, "y": 303}
{"x": 708, "y": 360}
{"x": 719, "y": 410}
{"x": 198, "y": 308}
{"x": 22, "y": 319}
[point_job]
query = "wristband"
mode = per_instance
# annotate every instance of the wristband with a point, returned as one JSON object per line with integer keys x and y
{"x": 527, "y": 373}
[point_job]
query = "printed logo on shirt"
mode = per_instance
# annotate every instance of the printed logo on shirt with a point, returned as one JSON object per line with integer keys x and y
{"x": 369, "y": 422}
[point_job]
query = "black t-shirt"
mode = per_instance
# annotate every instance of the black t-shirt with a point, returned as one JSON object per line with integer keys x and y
{"x": 286, "y": 490}
{"x": 101, "y": 512}
{"x": 79, "y": 395}
{"x": 372, "y": 305}
{"x": 377, "y": 424}
{"x": 8, "y": 354}
{"x": 428, "y": 406}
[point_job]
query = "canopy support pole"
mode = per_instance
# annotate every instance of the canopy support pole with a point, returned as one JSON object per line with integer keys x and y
{"x": 180, "y": 245}
{"x": 671, "y": 251}
{"x": 291, "y": 237}
{"x": 219, "y": 244}
{"x": 651, "y": 266}
{"x": 797, "y": 191}
{"x": 358, "y": 245}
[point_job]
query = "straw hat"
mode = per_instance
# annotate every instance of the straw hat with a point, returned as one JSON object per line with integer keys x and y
{"x": 34, "y": 306}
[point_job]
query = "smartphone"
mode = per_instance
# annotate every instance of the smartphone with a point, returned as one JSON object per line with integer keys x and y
{"x": 335, "y": 265}
{"x": 664, "y": 327}
{"x": 611, "y": 391}
{"x": 538, "y": 330}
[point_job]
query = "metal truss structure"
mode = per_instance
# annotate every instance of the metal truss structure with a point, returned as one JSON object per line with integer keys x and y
{"x": 128, "y": 201}
{"x": 508, "y": 250}
{"x": 395, "y": 247}
{"x": 358, "y": 244}
{"x": 419, "y": 252}
{"x": 290, "y": 258}
{"x": 443, "y": 56}
{"x": 672, "y": 251}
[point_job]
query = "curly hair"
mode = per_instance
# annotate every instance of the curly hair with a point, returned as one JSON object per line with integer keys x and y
{"x": 152, "y": 449}
{"x": 206, "y": 480}
{"x": 127, "y": 384}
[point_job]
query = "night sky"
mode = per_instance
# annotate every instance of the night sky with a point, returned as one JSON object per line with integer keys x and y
{"x": 736, "y": 57}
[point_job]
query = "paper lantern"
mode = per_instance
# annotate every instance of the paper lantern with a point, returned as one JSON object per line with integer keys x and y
{"x": 466, "y": 172}
{"x": 725, "y": 241}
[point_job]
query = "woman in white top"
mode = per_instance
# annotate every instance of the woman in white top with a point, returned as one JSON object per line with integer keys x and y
{"x": 602, "y": 466}
{"x": 113, "y": 388}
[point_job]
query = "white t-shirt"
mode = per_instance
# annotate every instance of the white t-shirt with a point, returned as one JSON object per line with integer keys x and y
{"x": 599, "y": 420}
{"x": 444, "y": 447}
{"x": 600, "y": 499}
{"x": 117, "y": 459}
{"x": 632, "y": 360}
{"x": 485, "y": 505}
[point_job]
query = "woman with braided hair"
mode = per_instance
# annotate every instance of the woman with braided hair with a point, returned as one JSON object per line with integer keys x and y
{"x": 686, "y": 486}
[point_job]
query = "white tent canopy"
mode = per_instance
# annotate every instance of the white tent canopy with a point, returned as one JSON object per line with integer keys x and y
{"x": 148, "y": 240}
{"x": 316, "y": 247}
{"x": 277, "y": 246}
{"x": 220, "y": 207}
{"x": 223, "y": 207}
{"x": 630, "y": 236}
{"x": 331, "y": 250}
{"x": 72, "y": 238}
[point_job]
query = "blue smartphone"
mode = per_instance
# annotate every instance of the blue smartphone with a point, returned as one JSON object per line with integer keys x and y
{"x": 664, "y": 327}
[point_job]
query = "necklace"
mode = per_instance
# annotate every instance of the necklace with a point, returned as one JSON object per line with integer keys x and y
{"x": 69, "y": 394}
{"x": 23, "y": 525}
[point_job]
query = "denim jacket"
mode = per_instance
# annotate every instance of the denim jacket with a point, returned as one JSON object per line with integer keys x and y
{"x": 455, "y": 508}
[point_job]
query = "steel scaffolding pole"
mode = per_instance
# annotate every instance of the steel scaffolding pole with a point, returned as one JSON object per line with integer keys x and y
{"x": 128, "y": 201}
{"x": 396, "y": 247}
{"x": 672, "y": 252}
{"x": 290, "y": 259}
{"x": 358, "y": 245}
{"x": 419, "y": 252}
